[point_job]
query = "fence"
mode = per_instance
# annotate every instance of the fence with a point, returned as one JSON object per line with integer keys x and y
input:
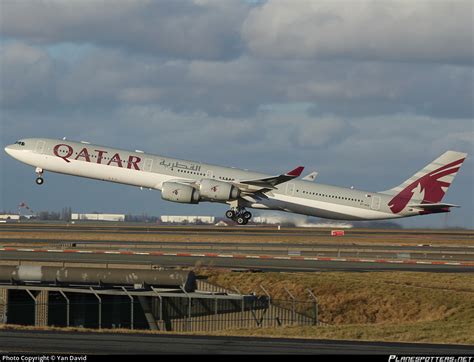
{"x": 156, "y": 309}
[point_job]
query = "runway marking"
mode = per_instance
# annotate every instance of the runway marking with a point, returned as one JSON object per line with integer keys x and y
{"x": 243, "y": 256}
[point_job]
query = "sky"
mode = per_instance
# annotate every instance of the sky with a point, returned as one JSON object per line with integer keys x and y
{"x": 364, "y": 92}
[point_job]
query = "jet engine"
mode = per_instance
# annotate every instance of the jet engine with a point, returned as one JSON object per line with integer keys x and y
{"x": 176, "y": 192}
{"x": 218, "y": 190}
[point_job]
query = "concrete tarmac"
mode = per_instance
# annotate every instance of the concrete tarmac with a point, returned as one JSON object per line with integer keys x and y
{"x": 230, "y": 263}
{"x": 259, "y": 251}
{"x": 111, "y": 343}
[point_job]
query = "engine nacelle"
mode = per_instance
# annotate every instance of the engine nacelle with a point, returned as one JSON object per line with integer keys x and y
{"x": 218, "y": 190}
{"x": 176, "y": 192}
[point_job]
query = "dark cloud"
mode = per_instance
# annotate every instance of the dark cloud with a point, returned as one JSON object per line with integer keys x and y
{"x": 27, "y": 74}
{"x": 182, "y": 29}
{"x": 105, "y": 79}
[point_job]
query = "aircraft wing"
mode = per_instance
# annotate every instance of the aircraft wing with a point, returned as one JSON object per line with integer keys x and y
{"x": 435, "y": 206}
{"x": 269, "y": 182}
{"x": 256, "y": 185}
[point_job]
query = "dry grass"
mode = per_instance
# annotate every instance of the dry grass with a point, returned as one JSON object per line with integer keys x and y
{"x": 406, "y": 238}
{"x": 390, "y": 306}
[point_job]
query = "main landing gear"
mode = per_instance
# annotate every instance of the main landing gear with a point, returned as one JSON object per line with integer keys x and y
{"x": 239, "y": 215}
{"x": 39, "y": 179}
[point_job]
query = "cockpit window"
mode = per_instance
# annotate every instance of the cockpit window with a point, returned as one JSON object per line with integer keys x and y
{"x": 21, "y": 143}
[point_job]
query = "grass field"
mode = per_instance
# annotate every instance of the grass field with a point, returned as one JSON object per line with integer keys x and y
{"x": 372, "y": 237}
{"x": 383, "y": 306}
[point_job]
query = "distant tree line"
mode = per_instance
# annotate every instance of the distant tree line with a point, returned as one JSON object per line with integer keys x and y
{"x": 63, "y": 215}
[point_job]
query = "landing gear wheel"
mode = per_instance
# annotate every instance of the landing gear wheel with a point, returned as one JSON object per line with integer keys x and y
{"x": 247, "y": 215}
{"x": 241, "y": 220}
{"x": 39, "y": 180}
{"x": 230, "y": 214}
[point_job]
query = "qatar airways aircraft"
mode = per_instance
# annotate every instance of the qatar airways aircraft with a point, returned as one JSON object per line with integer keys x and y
{"x": 193, "y": 182}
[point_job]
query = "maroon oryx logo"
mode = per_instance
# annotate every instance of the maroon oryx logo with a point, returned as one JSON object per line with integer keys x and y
{"x": 431, "y": 185}
{"x": 175, "y": 192}
{"x": 214, "y": 188}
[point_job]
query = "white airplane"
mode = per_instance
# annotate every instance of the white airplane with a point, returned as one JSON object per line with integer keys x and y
{"x": 193, "y": 182}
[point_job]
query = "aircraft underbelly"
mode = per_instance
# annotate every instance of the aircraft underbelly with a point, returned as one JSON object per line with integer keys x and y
{"x": 320, "y": 209}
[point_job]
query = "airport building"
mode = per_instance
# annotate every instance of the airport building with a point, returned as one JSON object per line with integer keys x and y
{"x": 167, "y": 219}
{"x": 98, "y": 217}
{"x": 9, "y": 217}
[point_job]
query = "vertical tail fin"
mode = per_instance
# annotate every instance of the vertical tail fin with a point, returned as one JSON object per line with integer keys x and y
{"x": 429, "y": 184}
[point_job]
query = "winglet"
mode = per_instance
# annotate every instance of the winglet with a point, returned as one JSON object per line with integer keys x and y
{"x": 296, "y": 172}
{"x": 310, "y": 177}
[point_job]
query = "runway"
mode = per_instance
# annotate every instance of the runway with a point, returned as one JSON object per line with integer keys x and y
{"x": 229, "y": 261}
{"x": 108, "y": 343}
{"x": 299, "y": 250}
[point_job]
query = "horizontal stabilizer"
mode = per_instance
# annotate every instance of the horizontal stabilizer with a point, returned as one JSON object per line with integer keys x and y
{"x": 432, "y": 206}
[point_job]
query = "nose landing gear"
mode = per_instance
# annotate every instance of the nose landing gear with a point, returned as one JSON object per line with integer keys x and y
{"x": 39, "y": 180}
{"x": 239, "y": 215}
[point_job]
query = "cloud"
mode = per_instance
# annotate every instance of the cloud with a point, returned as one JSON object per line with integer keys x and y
{"x": 183, "y": 29}
{"x": 320, "y": 132}
{"x": 422, "y": 31}
{"x": 27, "y": 73}
{"x": 106, "y": 78}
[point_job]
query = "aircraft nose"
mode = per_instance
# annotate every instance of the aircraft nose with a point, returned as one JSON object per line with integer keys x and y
{"x": 8, "y": 150}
